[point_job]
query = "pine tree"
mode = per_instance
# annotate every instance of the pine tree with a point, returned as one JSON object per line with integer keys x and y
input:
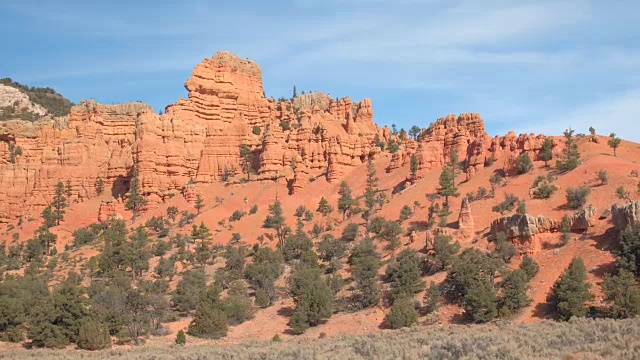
{"x": 614, "y": 142}
{"x": 99, "y": 186}
{"x": 181, "y": 338}
{"x": 364, "y": 269}
{"x": 314, "y": 298}
{"x": 523, "y": 164}
{"x": 447, "y": 186}
{"x": 414, "y": 166}
{"x": 530, "y": 267}
{"x": 570, "y": 154}
{"x": 495, "y": 181}
{"x": 324, "y": 208}
{"x": 514, "y": 292}
{"x": 189, "y": 290}
{"x": 546, "y": 152}
{"x": 432, "y": 297}
{"x": 623, "y": 294}
{"x": 370, "y": 190}
{"x": 405, "y": 213}
{"x": 275, "y": 220}
{"x": 571, "y": 291}
{"x": 405, "y": 275}
{"x": 68, "y": 189}
{"x": 628, "y": 252}
{"x": 246, "y": 161}
{"x": 59, "y": 202}
{"x": 135, "y": 202}
{"x": 480, "y": 301}
{"x": 199, "y": 203}
{"x": 49, "y": 217}
{"x": 414, "y": 132}
{"x": 136, "y": 252}
{"x": 210, "y": 320}
{"x": 402, "y": 314}
{"x": 295, "y": 92}
{"x": 203, "y": 234}
{"x": 346, "y": 201}
{"x": 444, "y": 252}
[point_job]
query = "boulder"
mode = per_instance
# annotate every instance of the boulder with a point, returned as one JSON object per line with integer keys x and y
{"x": 522, "y": 226}
{"x": 625, "y": 215}
{"x": 583, "y": 219}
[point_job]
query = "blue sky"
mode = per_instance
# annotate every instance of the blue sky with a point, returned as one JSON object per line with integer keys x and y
{"x": 528, "y": 66}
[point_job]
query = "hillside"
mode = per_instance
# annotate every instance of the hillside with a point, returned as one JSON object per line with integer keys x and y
{"x": 18, "y": 101}
{"x": 234, "y": 217}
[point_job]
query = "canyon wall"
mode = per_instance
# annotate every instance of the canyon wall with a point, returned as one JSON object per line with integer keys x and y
{"x": 198, "y": 140}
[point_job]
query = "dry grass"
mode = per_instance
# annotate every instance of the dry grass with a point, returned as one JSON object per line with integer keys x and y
{"x": 577, "y": 339}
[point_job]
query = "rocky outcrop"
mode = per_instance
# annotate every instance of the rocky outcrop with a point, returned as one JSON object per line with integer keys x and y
{"x": 95, "y": 141}
{"x": 465, "y": 220}
{"x": 190, "y": 194}
{"x": 522, "y": 225}
{"x": 11, "y": 97}
{"x": 522, "y": 230}
{"x": 197, "y": 139}
{"x": 583, "y": 219}
{"x": 111, "y": 209}
{"x": 625, "y": 215}
{"x": 444, "y": 136}
{"x": 503, "y": 150}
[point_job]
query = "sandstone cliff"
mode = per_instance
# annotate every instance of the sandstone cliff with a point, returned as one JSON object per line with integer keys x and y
{"x": 96, "y": 141}
{"x": 198, "y": 139}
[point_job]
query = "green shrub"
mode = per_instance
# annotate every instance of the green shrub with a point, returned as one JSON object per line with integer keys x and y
{"x": 402, "y": 314}
{"x": 577, "y": 197}
{"x": 523, "y": 164}
{"x": 237, "y": 215}
{"x": 350, "y": 232}
{"x": 603, "y": 176}
{"x": 376, "y": 225}
{"x": 507, "y": 205}
{"x": 405, "y": 213}
{"x": 181, "y": 338}
{"x": 256, "y": 130}
{"x": 93, "y": 335}
{"x": 544, "y": 190}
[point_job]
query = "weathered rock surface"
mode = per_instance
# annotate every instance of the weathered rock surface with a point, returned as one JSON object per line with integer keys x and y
{"x": 197, "y": 140}
{"x": 12, "y": 97}
{"x": 625, "y": 215}
{"x": 522, "y": 225}
{"x": 583, "y": 219}
{"x": 96, "y": 141}
{"x": 111, "y": 209}
{"x": 465, "y": 220}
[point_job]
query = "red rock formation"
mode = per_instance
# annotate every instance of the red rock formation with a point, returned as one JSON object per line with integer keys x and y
{"x": 95, "y": 141}
{"x": 465, "y": 220}
{"x": 110, "y": 209}
{"x": 444, "y": 136}
{"x": 504, "y": 150}
{"x": 198, "y": 139}
{"x": 190, "y": 194}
